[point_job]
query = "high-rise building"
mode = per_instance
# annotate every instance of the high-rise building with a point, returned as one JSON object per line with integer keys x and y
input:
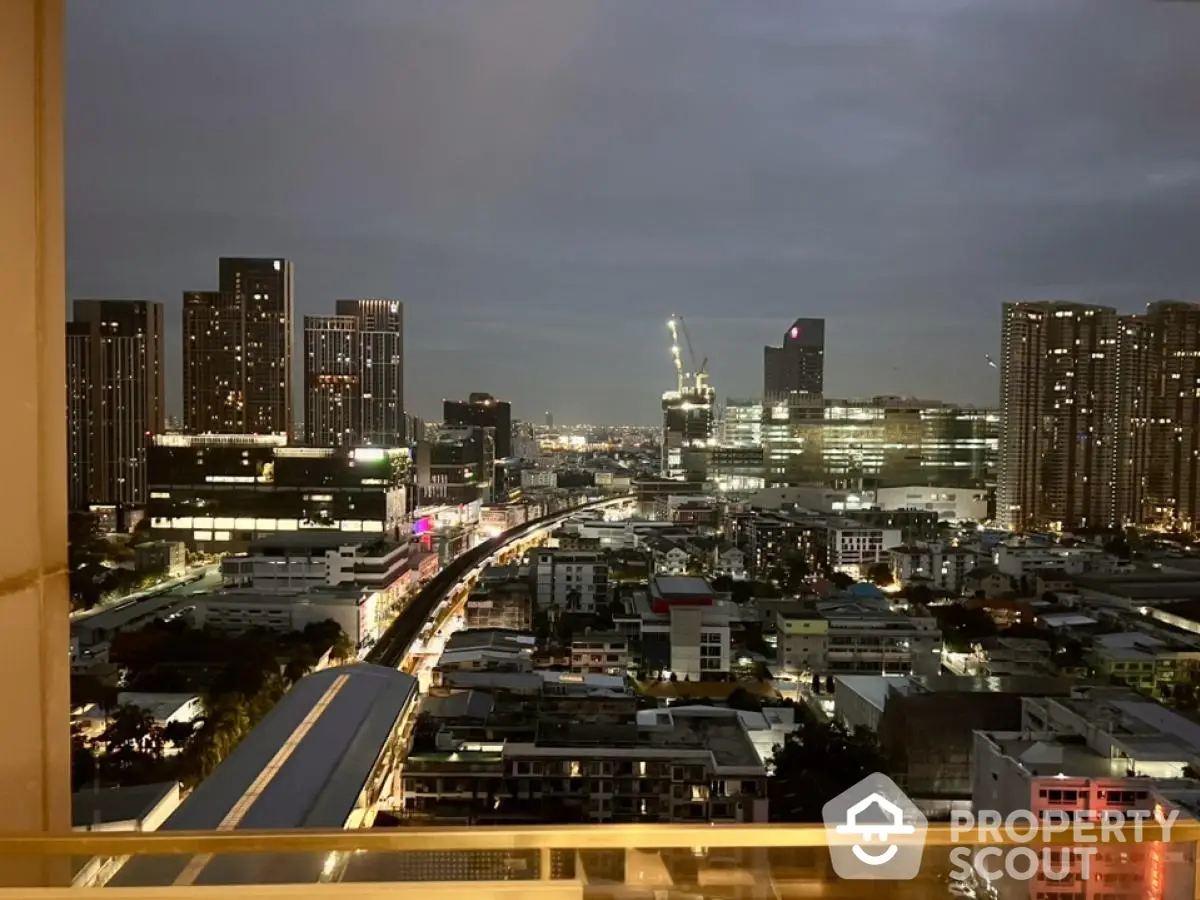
{"x": 456, "y": 466}
{"x": 79, "y": 415}
{"x": 237, "y": 350}
{"x": 688, "y": 424}
{"x": 1058, "y": 408}
{"x": 213, "y": 371}
{"x": 483, "y": 411}
{"x": 332, "y": 392}
{"x": 114, "y": 399}
{"x": 380, "y": 324}
{"x": 798, "y": 365}
{"x": 354, "y": 375}
{"x": 740, "y": 423}
{"x": 1158, "y": 386}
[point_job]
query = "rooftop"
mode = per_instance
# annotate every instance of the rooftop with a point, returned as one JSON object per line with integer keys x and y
{"x": 491, "y": 639}
{"x": 672, "y": 587}
{"x": 364, "y": 544}
{"x": 319, "y": 744}
{"x": 118, "y": 804}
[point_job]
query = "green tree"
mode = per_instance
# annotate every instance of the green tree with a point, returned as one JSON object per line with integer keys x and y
{"x": 920, "y": 594}
{"x": 841, "y": 580}
{"x": 740, "y": 698}
{"x": 817, "y": 762}
{"x": 880, "y": 574}
{"x": 962, "y": 626}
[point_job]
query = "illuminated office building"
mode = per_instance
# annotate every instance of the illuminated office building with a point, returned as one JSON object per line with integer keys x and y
{"x": 1058, "y": 406}
{"x": 237, "y": 350}
{"x": 741, "y": 423}
{"x": 881, "y": 441}
{"x": 114, "y": 399}
{"x": 221, "y": 492}
{"x": 797, "y": 366}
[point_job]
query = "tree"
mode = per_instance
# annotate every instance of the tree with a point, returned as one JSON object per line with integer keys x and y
{"x": 920, "y": 594}
{"x": 797, "y": 571}
{"x": 177, "y": 734}
{"x": 1119, "y": 547}
{"x": 740, "y": 698}
{"x": 962, "y": 626}
{"x": 841, "y": 580}
{"x": 880, "y": 573}
{"x": 817, "y": 762}
{"x": 816, "y": 683}
{"x": 829, "y": 686}
{"x": 343, "y": 648}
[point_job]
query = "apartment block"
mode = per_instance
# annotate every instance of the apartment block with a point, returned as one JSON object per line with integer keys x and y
{"x": 858, "y": 632}
{"x": 570, "y": 580}
{"x": 115, "y": 399}
{"x": 666, "y": 766}
{"x": 937, "y": 565}
{"x": 1058, "y": 416}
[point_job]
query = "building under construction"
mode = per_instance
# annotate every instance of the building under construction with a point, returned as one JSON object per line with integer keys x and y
{"x": 688, "y": 423}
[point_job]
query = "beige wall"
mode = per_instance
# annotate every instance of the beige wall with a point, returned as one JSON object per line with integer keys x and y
{"x": 34, "y": 750}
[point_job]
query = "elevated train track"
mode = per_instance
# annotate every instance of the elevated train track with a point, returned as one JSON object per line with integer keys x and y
{"x": 396, "y": 642}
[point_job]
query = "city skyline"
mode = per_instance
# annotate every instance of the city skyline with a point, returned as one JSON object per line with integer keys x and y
{"x": 542, "y": 208}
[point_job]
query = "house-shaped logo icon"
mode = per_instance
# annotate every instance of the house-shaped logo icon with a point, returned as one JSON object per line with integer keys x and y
{"x": 874, "y": 813}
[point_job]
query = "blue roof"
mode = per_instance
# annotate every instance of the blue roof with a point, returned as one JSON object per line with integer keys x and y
{"x": 864, "y": 589}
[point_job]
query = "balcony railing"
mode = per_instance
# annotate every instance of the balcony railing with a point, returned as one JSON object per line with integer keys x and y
{"x": 577, "y": 861}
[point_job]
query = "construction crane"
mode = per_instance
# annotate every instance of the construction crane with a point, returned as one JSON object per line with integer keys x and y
{"x": 675, "y": 354}
{"x": 699, "y": 374}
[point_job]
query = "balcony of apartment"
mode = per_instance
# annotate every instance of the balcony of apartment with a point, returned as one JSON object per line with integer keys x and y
{"x": 519, "y": 861}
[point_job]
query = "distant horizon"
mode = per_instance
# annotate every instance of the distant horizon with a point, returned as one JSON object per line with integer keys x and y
{"x": 543, "y": 184}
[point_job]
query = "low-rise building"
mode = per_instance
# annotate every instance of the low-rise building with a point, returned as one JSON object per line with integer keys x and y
{"x": 937, "y": 565}
{"x": 681, "y": 627}
{"x": 1144, "y": 662}
{"x": 950, "y": 504}
{"x": 571, "y": 580}
{"x": 358, "y": 612}
{"x": 298, "y": 561}
{"x": 167, "y": 558}
{"x": 853, "y": 548}
{"x": 1020, "y": 559}
{"x": 601, "y": 653}
{"x": 669, "y": 557}
{"x": 857, "y": 632}
{"x": 507, "y": 605}
{"x": 925, "y": 724}
{"x": 539, "y": 478}
{"x": 728, "y": 560}
{"x": 485, "y": 650}
{"x": 987, "y": 579}
{"x": 672, "y": 766}
{"x": 1101, "y": 749}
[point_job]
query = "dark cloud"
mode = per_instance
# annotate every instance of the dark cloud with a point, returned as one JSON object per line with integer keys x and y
{"x": 545, "y": 181}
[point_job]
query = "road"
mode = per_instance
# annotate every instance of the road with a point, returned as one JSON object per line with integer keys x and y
{"x": 209, "y": 578}
{"x": 394, "y": 646}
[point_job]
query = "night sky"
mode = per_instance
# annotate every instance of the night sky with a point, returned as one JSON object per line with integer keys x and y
{"x": 543, "y": 182}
